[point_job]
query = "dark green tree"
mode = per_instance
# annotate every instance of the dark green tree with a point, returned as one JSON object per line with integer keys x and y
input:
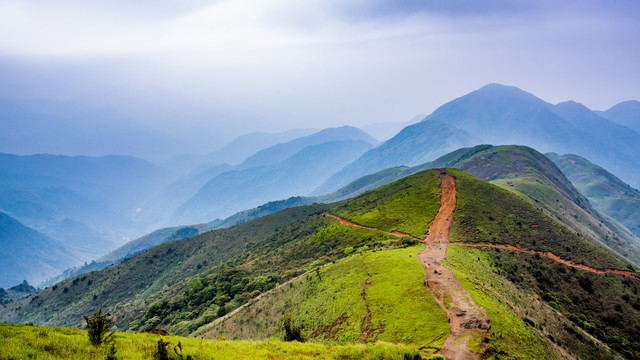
{"x": 292, "y": 332}
{"x": 98, "y": 328}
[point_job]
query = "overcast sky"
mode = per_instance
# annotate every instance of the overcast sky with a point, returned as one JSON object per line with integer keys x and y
{"x": 226, "y": 67}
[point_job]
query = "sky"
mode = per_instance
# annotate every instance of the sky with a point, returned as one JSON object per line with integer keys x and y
{"x": 207, "y": 71}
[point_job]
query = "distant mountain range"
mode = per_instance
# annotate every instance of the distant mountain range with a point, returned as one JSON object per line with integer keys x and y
{"x": 28, "y": 255}
{"x": 88, "y": 204}
{"x": 93, "y": 204}
{"x": 626, "y": 113}
{"x": 236, "y": 190}
{"x": 235, "y": 152}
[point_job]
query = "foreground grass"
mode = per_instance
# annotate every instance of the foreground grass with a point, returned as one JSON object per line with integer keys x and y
{"x": 35, "y": 342}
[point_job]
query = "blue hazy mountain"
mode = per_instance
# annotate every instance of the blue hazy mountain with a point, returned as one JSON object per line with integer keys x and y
{"x": 415, "y": 144}
{"x": 499, "y": 114}
{"x": 282, "y": 151}
{"x": 626, "y": 113}
{"x": 242, "y": 189}
{"x": 235, "y": 152}
{"x": 28, "y": 255}
{"x": 89, "y": 203}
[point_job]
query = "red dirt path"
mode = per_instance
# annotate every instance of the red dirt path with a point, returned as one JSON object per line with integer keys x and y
{"x": 555, "y": 258}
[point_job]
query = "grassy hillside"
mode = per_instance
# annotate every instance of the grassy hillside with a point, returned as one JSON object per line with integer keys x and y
{"x": 606, "y": 192}
{"x": 144, "y": 275}
{"x": 495, "y": 215}
{"x": 407, "y": 205}
{"x": 520, "y": 316}
{"x": 366, "y": 297}
{"x": 530, "y": 174}
{"x": 24, "y": 342}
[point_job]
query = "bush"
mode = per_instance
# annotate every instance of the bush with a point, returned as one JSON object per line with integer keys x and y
{"x": 162, "y": 351}
{"x": 98, "y": 327}
{"x": 292, "y": 332}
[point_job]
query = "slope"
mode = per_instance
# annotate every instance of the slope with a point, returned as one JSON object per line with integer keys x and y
{"x": 138, "y": 278}
{"x": 529, "y": 173}
{"x": 299, "y": 174}
{"x": 605, "y": 192}
{"x": 27, "y": 254}
{"x": 314, "y": 300}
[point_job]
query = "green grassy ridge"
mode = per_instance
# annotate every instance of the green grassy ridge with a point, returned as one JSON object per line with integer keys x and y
{"x": 407, "y": 205}
{"x": 23, "y": 342}
{"x": 605, "y": 191}
{"x": 196, "y": 301}
{"x": 488, "y": 213}
{"x": 146, "y": 274}
{"x": 523, "y": 325}
{"x": 517, "y": 164}
{"x": 530, "y": 174}
{"x": 329, "y": 303}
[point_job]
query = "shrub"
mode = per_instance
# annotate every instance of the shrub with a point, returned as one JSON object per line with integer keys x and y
{"x": 162, "y": 351}
{"x": 292, "y": 332}
{"x": 111, "y": 352}
{"x": 98, "y": 327}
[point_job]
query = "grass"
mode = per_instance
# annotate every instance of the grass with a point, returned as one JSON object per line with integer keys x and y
{"x": 329, "y": 303}
{"x": 25, "y": 342}
{"x": 487, "y": 213}
{"x": 605, "y": 306}
{"x": 407, "y": 205}
{"x": 510, "y": 336}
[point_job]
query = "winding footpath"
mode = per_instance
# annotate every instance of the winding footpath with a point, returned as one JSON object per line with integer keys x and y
{"x": 466, "y": 318}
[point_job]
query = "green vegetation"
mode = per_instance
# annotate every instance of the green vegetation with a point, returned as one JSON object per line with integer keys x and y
{"x": 24, "y": 342}
{"x": 366, "y": 297}
{"x": 605, "y": 306}
{"x": 522, "y": 322}
{"x": 292, "y": 332}
{"x": 407, "y": 205}
{"x": 139, "y": 278}
{"x": 605, "y": 191}
{"x": 295, "y": 249}
{"x": 490, "y": 214}
{"x": 98, "y": 328}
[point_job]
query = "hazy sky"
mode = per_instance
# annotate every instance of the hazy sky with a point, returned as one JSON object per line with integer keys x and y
{"x": 221, "y": 68}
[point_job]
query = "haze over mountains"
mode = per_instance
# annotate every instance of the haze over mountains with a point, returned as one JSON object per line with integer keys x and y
{"x": 84, "y": 201}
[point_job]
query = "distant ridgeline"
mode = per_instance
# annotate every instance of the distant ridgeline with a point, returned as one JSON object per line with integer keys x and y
{"x": 16, "y": 292}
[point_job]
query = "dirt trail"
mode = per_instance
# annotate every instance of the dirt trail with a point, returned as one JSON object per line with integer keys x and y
{"x": 466, "y": 318}
{"x": 556, "y": 258}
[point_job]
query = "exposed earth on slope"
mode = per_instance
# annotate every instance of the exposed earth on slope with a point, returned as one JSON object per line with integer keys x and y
{"x": 467, "y": 320}
{"x": 556, "y": 258}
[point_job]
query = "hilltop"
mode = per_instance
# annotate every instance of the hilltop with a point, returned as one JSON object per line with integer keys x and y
{"x": 241, "y": 277}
